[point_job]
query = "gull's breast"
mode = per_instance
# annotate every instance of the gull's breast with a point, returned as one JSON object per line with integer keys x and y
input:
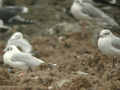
{"x": 104, "y": 45}
{"x": 7, "y": 57}
{"x": 76, "y": 10}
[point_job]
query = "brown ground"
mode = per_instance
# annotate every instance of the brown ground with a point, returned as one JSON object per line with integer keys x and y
{"x": 72, "y": 52}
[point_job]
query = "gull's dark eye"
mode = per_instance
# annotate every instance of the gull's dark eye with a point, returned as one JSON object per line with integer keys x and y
{"x": 17, "y": 36}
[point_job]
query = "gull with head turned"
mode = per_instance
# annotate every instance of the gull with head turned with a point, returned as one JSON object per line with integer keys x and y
{"x": 18, "y": 40}
{"x": 17, "y": 59}
{"x": 108, "y": 43}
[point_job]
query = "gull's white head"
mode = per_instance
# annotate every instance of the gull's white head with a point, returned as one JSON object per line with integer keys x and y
{"x": 24, "y": 9}
{"x": 10, "y": 48}
{"x": 105, "y": 33}
{"x": 17, "y": 35}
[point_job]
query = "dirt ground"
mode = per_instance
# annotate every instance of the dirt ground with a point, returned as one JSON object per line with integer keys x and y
{"x": 80, "y": 65}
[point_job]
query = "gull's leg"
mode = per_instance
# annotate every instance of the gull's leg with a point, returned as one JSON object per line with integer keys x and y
{"x": 22, "y": 73}
{"x": 83, "y": 29}
{"x": 29, "y": 69}
{"x": 14, "y": 29}
{"x": 10, "y": 70}
{"x": 114, "y": 62}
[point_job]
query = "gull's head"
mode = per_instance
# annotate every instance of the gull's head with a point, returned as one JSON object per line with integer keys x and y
{"x": 10, "y": 48}
{"x": 17, "y": 35}
{"x": 79, "y": 1}
{"x": 105, "y": 33}
{"x": 24, "y": 10}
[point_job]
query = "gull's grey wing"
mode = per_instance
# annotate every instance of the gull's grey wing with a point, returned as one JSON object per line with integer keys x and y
{"x": 27, "y": 58}
{"x": 91, "y": 10}
{"x": 94, "y": 12}
{"x": 116, "y": 42}
{"x": 8, "y": 12}
{"x": 19, "y": 20}
{"x": 3, "y": 26}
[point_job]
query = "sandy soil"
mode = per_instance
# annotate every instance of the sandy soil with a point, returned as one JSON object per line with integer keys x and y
{"x": 80, "y": 65}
